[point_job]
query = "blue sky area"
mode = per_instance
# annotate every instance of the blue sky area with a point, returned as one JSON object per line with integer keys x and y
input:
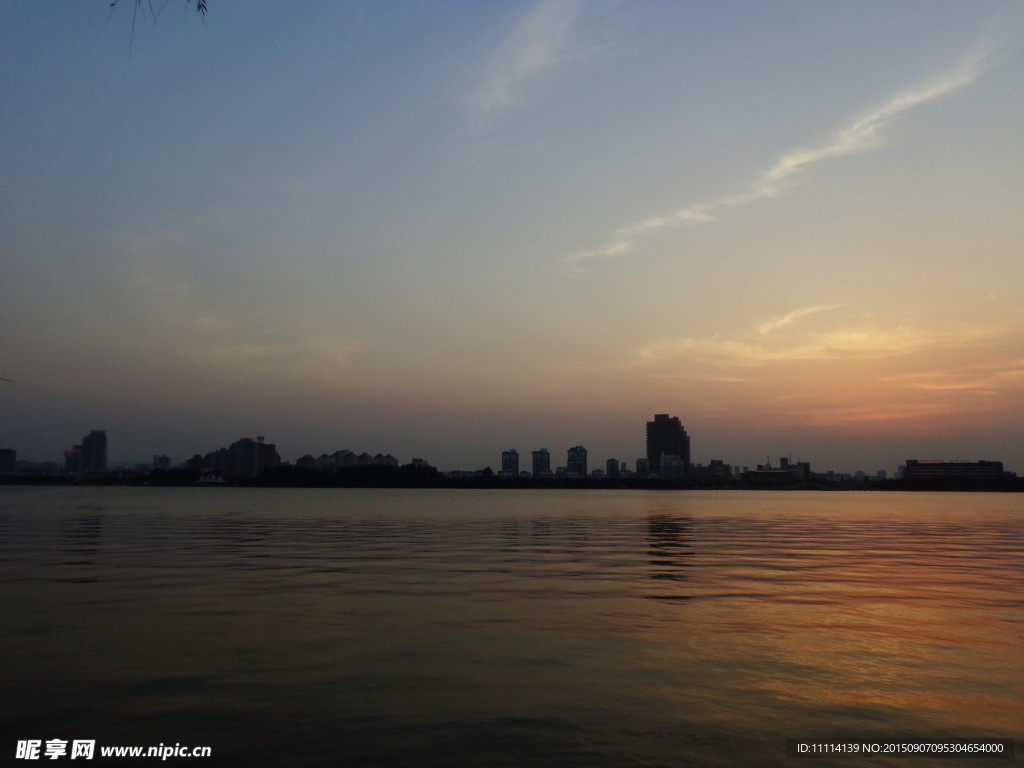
{"x": 444, "y": 229}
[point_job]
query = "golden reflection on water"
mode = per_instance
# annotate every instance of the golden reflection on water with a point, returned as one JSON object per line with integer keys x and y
{"x": 841, "y": 614}
{"x": 669, "y": 627}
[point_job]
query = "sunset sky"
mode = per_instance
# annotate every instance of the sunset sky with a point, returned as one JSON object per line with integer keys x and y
{"x": 442, "y": 229}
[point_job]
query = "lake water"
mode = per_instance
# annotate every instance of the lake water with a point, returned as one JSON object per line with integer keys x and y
{"x": 372, "y": 627}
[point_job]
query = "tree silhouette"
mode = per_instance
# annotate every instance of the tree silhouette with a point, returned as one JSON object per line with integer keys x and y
{"x": 200, "y": 5}
{"x": 148, "y": 4}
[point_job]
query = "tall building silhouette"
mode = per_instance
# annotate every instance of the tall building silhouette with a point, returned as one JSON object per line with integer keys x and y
{"x": 541, "y": 463}
{"x": 243, "y": 459}
{"x": 510, "y": 462}
{"x": 576, "y": 465}
{"x": 666, "y": 437}
{"x": 92, "y": 456}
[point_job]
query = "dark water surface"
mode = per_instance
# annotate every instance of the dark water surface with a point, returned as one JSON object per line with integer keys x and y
{"x": 505, "y": 628}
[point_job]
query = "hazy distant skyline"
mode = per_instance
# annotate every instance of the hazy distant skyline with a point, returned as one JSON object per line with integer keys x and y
{"x": 445, "y": 229}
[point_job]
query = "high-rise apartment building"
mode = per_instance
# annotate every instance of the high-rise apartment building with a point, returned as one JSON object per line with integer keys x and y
{"x": 90, "y": 456}
{"x": 510, "y": 462}
{"x": 541, "y": 463}
{"x": 243, "y": 459}
{"x": 666, "y": 437}
{"x": 94, "y": 451}
{"x": 576, "y": 464}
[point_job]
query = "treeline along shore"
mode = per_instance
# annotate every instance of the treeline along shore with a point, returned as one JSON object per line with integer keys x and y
{"x": 419, "y": 476}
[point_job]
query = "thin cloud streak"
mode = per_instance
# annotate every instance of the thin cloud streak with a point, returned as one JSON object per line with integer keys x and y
{"x": 783, "y": 320}
{"x": 539, "y": 44}
{"x": 862, "y": 136}
{"x": 862, "y": 344}
{"x": 851, "y": 338}
{"x": 991, "y": 379}
{"x": 878, "y": 415}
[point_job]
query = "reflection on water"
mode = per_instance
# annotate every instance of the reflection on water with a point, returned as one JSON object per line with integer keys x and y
{"x": 363, "y": 627}
{"x": 668, "y": 546}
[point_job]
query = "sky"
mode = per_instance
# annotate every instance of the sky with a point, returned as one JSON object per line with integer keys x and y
{"x": 445, "y": 229}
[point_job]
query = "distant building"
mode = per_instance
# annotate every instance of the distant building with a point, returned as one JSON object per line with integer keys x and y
{"x": 73, "y": 460}
{"x": 766, "y": 474}
{"x": 935, "y": 469}
{"x": 611, "y": 468}
{"x": 161, "y": 462}
{"x": 510, "y": 462}
{"x": 801, "y": 469}
{"x": 90, "y": 456}
{"x": 576, "y": 464}
{"x": 716, "y": 473}
{"x": 720, "y": 470}
{"x": 244, "y": 459}
{"x": 541, "y": 463}
{"x": 666, "y": 437}
{"x": 643, "y": 467}
{"x": 345, "y": 459}
{"x": 672, "y": 468}
{"x": 93, "y": 457}
{"x": 211, "y": 477}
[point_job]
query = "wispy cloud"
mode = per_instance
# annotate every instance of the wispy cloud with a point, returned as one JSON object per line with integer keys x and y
{"x": 844, "y": 338}
{"x": 877, "y": 415}
{"x": 863, "y": 135}
{"x": 862, "y": 342}
{"x": 541, "y": 42}
{"x": 783, "y": 320}
{"x": 841, "y": 369}
{"x": 983, "y": 378}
